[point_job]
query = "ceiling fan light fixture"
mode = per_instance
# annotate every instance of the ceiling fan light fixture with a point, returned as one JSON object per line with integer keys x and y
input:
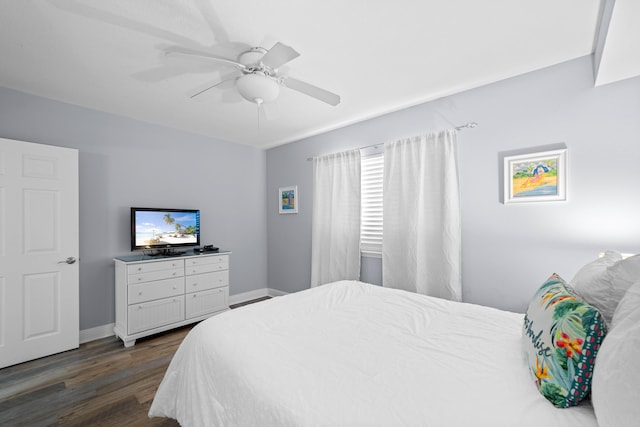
{"x": 251, "y": 56}
{"x": 254, "y": 87}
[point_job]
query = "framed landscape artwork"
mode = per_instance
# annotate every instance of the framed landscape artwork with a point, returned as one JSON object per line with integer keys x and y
{"x": 288, "y": 200}
{"x": 536, "y": 177}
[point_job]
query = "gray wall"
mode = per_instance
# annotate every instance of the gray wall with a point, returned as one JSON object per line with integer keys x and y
{"x": 508, "y": 251}
{"x": 126, "y": 163}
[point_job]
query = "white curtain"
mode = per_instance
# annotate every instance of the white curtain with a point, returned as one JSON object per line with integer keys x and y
{"x": 335, "y": 231}
{"x": 421, "y": 242}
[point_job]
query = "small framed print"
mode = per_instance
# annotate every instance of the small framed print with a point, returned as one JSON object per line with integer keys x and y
{"x": 536, "y": 177}
{"x": 288, "y": 200}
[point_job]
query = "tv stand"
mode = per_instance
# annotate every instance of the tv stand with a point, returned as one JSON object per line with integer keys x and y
{"x": 158, "y": 293}
{"x": 167, "y": 252}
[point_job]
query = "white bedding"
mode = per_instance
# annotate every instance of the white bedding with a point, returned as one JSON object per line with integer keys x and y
{"x": 353, "y": 354}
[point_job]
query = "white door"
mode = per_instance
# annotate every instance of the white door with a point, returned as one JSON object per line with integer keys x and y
{"x": 39, "y": 312}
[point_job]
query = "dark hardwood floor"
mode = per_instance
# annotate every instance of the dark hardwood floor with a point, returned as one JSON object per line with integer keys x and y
{"x": 102, "y": 383}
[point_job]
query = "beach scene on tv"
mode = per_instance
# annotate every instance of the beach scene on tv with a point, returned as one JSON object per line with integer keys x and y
{"x": 156, "y": 228}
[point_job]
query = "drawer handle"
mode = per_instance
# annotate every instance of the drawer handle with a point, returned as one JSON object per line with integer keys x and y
{"x": 195, "y": 284}
{"x": 175, "y": 287}
{"x": 139, "y": 307}
{"x": 139, "y": 268}
{"x": 139, "y": 293}
{"x": 194, "y": 295}
{"x": 139, "y": 279}
{"x": 174, "y": 273}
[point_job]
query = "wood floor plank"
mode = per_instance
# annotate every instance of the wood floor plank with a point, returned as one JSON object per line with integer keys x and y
{"x": 13, "y": 410}
{"x": 89, "y": 413}
{"x": 17, "y": 386}
{"x": 94, "y": 369}
{"x": 137, "y": 380}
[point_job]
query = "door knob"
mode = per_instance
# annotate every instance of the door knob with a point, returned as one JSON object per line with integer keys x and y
{"x": 70, "y": 260}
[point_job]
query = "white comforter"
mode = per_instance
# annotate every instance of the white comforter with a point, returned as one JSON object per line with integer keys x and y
{"x": 352, "y": 354}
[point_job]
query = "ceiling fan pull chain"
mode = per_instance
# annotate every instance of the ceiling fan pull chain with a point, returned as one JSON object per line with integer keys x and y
{"x": 259, "y": 103}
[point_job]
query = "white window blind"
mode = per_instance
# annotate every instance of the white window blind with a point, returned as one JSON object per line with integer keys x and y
{"x": 371, "y": 204}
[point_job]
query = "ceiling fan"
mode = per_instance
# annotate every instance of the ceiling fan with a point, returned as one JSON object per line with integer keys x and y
{"x": 256, "y": 74}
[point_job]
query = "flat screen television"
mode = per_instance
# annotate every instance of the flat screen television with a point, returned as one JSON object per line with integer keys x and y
{"x": 164, "y": 229}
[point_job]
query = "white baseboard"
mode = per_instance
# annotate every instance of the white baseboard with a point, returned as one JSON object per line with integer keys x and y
{"x": 105, "y": 331}
{"x": 96, "y": 333}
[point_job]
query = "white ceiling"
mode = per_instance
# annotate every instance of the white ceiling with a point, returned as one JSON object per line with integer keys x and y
{"x": 379, "y": 56}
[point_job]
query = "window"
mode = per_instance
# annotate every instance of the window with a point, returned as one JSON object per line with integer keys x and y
{"x": 371, "y": 204}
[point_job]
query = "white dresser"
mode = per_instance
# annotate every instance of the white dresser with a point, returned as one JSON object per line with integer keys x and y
{"x": 154, "y": 294}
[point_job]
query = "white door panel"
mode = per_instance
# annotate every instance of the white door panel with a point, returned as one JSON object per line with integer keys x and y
{"x": 41, "y": 296}
{"x": 41, "y": 221}
{"x": 39, "y": 299}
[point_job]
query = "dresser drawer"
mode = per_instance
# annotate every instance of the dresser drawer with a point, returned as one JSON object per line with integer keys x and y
{"x": 156, "y": 275}
{"x": 147, "y": 267}
{"x": 154, "y": 314}
{"x": 155, "y": 290}
{"x": 206, "y": 264}
{"x": 207, "y": 302}
{"x": 200, "y": 282}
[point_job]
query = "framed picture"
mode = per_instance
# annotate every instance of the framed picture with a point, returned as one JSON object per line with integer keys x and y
{"x": 288, "y": 200}
{"x": 536, "y": 177}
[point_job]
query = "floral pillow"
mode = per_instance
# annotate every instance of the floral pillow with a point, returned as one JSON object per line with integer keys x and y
{"x": 561, "y": 337}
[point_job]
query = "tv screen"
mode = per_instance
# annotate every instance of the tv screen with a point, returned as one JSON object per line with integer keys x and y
{"x": 154, "y": 228}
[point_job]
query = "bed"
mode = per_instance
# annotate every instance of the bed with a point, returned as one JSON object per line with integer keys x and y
{"x": 353, "y": 354}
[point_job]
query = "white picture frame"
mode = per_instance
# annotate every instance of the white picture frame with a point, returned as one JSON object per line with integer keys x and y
{"x": 536, "y": 177}
{"x": 288, "y": 200}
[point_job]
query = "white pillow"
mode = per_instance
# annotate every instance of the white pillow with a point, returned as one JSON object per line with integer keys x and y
{"x": 604, "y": 289}
{"x": 621, "y": 276}
{"x": 615, "y": 389}
{"x": 590, "y": 284}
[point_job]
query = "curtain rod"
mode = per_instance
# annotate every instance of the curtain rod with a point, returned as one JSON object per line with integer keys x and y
{"x": 469, "y": 125}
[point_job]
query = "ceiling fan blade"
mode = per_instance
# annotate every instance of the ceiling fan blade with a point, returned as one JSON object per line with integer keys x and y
{"x": 210, "y": 85}
{"x": 311, "y": 90}
{"x": 279, "y": 55}
{"x": 179, "y": 50}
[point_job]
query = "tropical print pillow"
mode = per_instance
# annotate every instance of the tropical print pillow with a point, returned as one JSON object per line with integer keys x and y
{"x": 561, "y": 337}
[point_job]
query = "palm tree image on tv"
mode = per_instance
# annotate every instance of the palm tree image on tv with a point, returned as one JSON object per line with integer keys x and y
{"x": 169, "y": 219}
{"x": 155, "y": 228}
